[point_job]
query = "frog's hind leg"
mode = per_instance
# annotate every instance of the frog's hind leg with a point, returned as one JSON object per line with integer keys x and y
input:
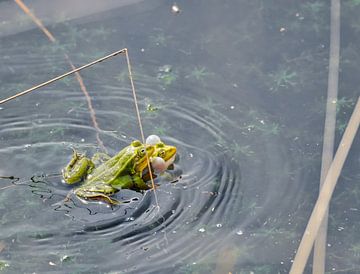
{"x": 77, "y": 169}
{"x": 106, "y": 198}
{"x": 97, "y": 191}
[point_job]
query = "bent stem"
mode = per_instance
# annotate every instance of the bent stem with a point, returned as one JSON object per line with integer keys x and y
{"x": 140, "y": 125}
{"x": 52, "y": 39}
{"x": 325, "y": 194}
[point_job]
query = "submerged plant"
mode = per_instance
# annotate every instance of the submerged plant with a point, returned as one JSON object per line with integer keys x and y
{"x": 159, "y": 38}
{"x": 3, "y": 265}
{"x": 161, "y": 129}
{"x": 238, "y": 150}
{"x": 354, "y": 2}
{"x": 283, "y": 78}
{"x": 355, "y": 249}
{"x": 255, "y": 123}
{"x": 166, "y": 75}
{"x": 199, "y": 74}
{"x": 344, "y": 103}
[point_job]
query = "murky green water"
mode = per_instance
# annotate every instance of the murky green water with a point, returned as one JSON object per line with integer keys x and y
{"x": 238, "y": 86}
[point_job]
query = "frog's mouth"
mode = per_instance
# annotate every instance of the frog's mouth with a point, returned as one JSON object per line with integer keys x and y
{"x": 171, "y": 159}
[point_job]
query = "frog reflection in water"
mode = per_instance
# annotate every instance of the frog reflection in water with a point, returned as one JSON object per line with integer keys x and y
{"x": 123, "y": 171}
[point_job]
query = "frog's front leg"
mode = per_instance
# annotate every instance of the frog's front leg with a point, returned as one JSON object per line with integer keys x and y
{"x": 78, "y": 168}
{"x": 134, "y": 182}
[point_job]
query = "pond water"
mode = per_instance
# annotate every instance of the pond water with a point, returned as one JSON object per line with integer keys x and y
{"x": 239, "y": 87}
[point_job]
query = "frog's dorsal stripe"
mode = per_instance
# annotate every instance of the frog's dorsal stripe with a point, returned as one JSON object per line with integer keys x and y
{"x": 98, "y": 172}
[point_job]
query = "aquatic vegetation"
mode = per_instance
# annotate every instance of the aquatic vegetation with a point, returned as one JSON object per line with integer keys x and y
{"x": 60, "y": 131}
{"x": 288, "y": 56}
{"x": 162, "y": 129}
{"x": 283, "y": 78}
{"x": 199, "y": 73}
{"x": 355, "y": 249}
{"x": 254, "y": 124}
{"x": 245, "y": 150}
{"x": 341, "y": 125}
{"x": 3, "y": 265}
{"x": 151, "y": 108}
{"x": 123, "y": 76}
{"x": 354, "y": 2}
{"x": 344, "y": 104}
{"x": 166, "y": 76}
{"x": 159, "y": 38}
{"x": 314, "y": 7}
{"x": 167, "y": 79}
{"x": 343, "y": 108}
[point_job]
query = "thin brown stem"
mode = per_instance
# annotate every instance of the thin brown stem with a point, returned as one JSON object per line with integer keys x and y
{"x": 61, "y": 76}
{"x": 140, "y": 124}
{"x": 52, "y": 39}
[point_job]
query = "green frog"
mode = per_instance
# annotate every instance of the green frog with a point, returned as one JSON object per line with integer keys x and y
{"x": 161, "y": 159}
{"x": 123, "y": 171}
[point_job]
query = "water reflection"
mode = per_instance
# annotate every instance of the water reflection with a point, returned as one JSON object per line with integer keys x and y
{"x": 239, "y": 98}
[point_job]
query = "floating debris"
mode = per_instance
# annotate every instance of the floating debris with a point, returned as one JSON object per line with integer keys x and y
{"x": 175, "y": 9}
{"x": 239, "y": 232}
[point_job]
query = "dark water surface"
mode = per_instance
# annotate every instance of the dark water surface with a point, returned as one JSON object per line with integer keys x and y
{"x": 238, "y": 86}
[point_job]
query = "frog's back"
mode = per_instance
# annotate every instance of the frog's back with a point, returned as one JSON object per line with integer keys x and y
{"x": 113, "y": 168}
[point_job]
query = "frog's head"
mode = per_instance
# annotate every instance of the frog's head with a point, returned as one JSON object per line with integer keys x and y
{"x": 163, "y": 151}
{"x": 139, "y": 153}
{"x": 163, "y": 157}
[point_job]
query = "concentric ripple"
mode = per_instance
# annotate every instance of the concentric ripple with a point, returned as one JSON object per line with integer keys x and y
{"x": 213, "y": 196}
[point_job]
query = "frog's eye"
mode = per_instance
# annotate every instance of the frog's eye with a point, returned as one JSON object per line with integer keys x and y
{"x": 160, "y": 144}
{"x": 162, "y": 153}
{"x": 142, "y": 151}
{"x": 136, "y": 143}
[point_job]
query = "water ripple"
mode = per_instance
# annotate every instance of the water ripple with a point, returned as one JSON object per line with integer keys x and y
{"x": 213, "y": 193}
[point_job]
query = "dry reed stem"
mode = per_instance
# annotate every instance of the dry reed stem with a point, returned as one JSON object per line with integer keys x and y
{"x": 75, "y": 70}
{"x": 61, "y": 76}
{"x": 326, "y": 192}
{"x": 140, "y": 124}
{"x": 329, "y": 129}
{"x": 52, "y": 39}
